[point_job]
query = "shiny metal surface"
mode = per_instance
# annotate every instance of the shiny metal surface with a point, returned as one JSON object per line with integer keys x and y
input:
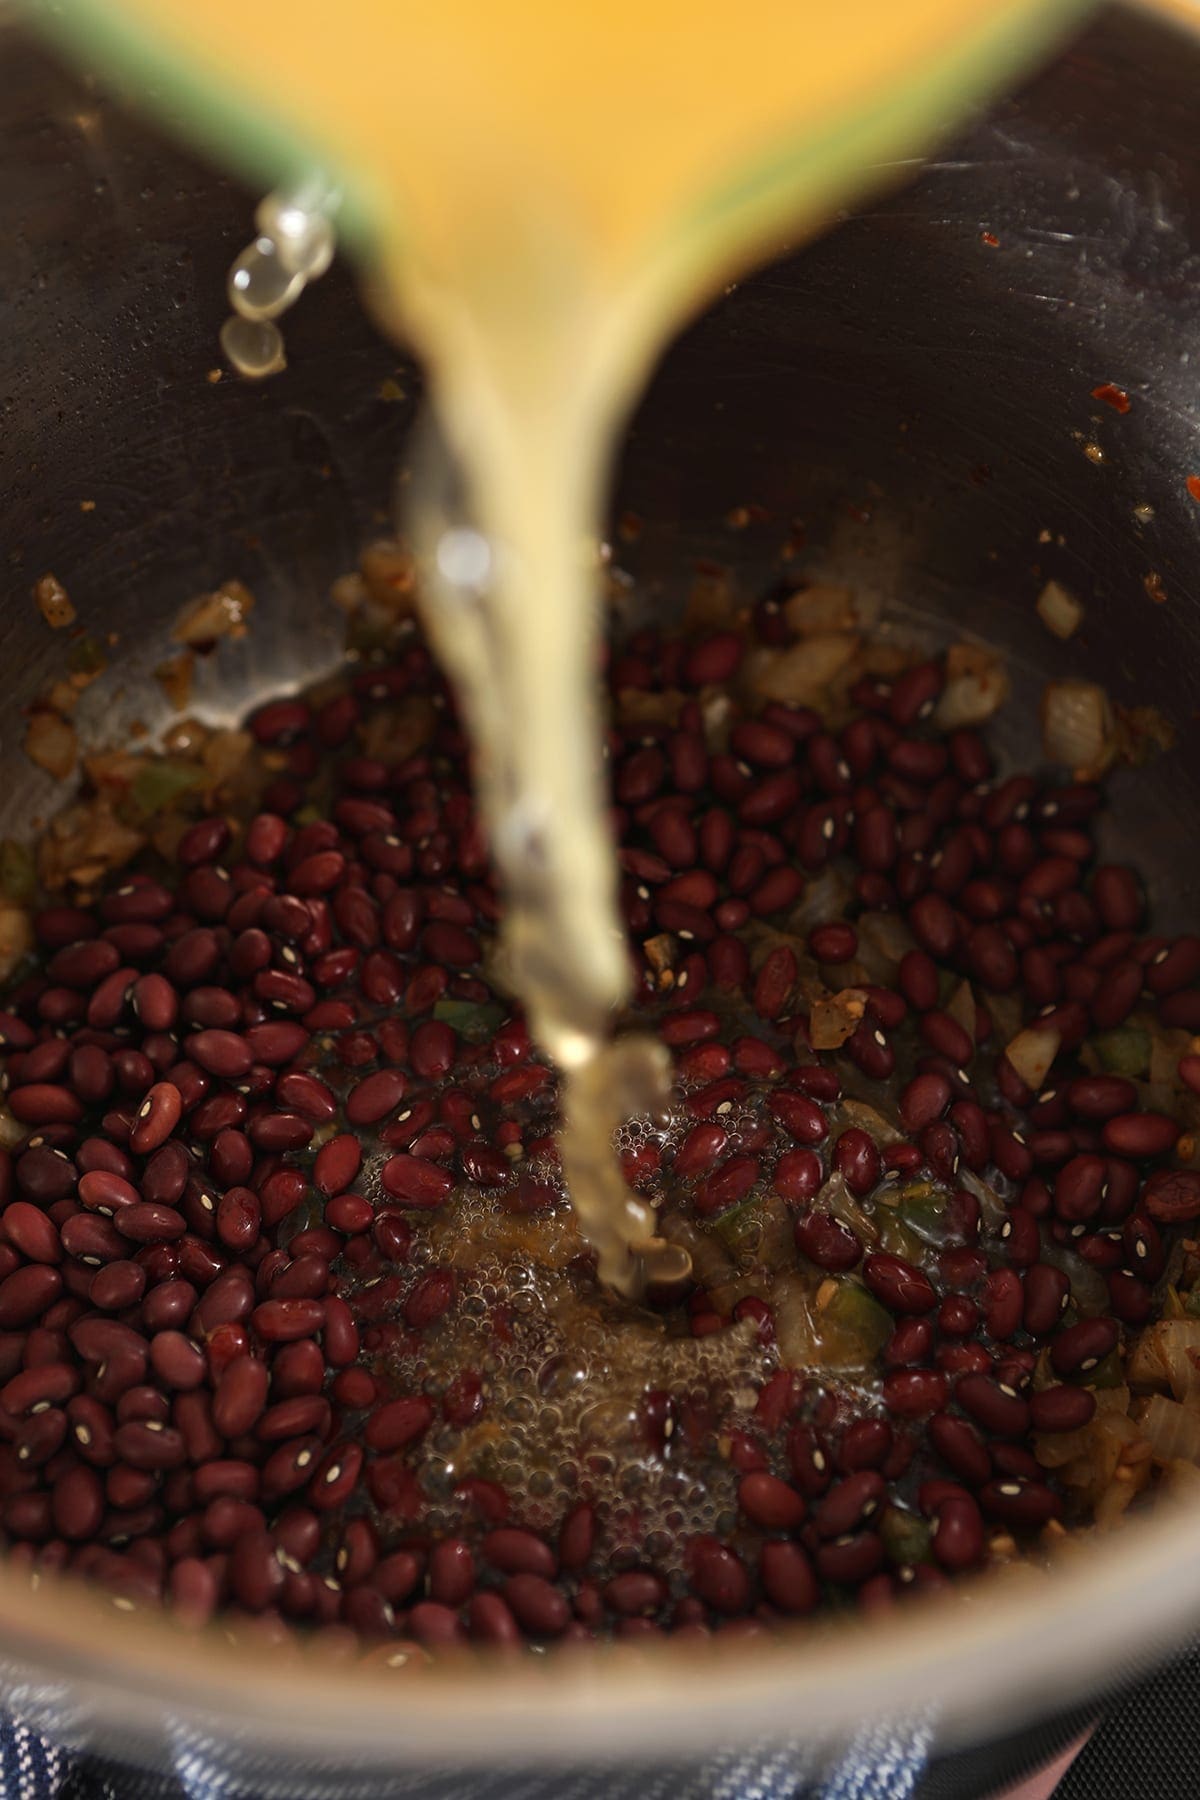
{"x": 921, "y": 398}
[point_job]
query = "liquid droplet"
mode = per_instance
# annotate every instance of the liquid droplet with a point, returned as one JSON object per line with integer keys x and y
{"x": 260, "y": 286}
{"x": 254, "y": 347}
{"x": 301, "y": 227}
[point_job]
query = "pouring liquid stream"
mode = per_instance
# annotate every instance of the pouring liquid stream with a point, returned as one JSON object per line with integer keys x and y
{"x": 552, "y": 191}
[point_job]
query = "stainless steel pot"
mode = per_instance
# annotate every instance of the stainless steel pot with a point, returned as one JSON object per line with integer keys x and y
{"x": 918, "y": 389}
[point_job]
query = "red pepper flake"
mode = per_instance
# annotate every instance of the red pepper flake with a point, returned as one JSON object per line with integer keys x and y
{"x": 1193, "y": 487}
{"x": 1112, "y": 396}
{"x": 1153, "y": 585}
{"x": 990, "y": 239}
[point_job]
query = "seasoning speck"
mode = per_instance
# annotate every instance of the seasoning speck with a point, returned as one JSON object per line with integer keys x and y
{"x": 53, "y": 602}
{"x": 1112, "y": 396}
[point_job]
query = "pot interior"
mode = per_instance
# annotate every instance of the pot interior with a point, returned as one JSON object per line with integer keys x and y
{"x": 916, "y": 391}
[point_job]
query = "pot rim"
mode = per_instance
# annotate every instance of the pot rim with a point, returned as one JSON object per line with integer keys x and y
{"x": 1030, "y": 1640}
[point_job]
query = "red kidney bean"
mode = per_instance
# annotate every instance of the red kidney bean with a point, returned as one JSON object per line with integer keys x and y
{"x": 46, "y": 1175}
{"x": 1062, "y": 1408}
{"x": 1118, "y": 896}
{"x": 146, "y": 1444}
{"x": 727, "y": 1185}
{"x": 340, "y": 1334}
{"x": 635, "y": 1593}
{"x": 770, "y": 1503}
{"x": 787, "y": 1578}
{"x": 798, "y": 1176}
{"x": 850, "y": 1559}
{"x": 375, "y": 1096}
{"x": 774, "y": 983}
{"x": 834, "y": 943}
{"x": 947, "y": 1037}
{"x": 517, "y": 1552}
{"x": 1140, "y": 1134}
{"x": 700, "y": 1150}
{"x": 1078, "y": 1348}
{"x": 1117, "y": 995}
{"x": 1025, "y": 1504}
{"x": 177, "y": 1361}
{"x": 850, "y": 1503}
{"x": 998, "y": 1411}
{"x": 718, "y": 1576}
{"x": 864, "y": 1445}
{"x": 911, "y": 1342}
{"x": 27, "y": 1293}
{"x": 875, "y": 840}
{"x": 932, "y": 922}
{"x": 147, "y": 1223}
{"x": 1047, "y": 1292}
{"x": 827, "y": 1242}
{"x": 958, "y": 1536}
{"x": 44, "y": 1103}
{"x": 900, "y": 1285}
{"x": 1175, "y": 966}
{"x": 779, "y": 888}
{"x": 959, "y": 1444}
{"x": 32, "y": 1232}
{"x": 416, "y": 1181}
{"x": 240, "y": 1396}
{"x": 802, "y": 1117}
{"x": 1100, "y": 1096}
{"x": 399, "y": 1422}
{"x": 337, "y": 1163}
{"x": 538, "y": 1607}
{"x": 925, "y": 1099}
{"x": 1021, "y": 1237}
{"x": 856, "y": 1159}
{"x": 1172, "y": 1195}
{"x": 910, "y": 1393}
{"x": 1079, "y": 1188}
{"x": 283, "y": 1321}
{"x": 576, "y": 1539}
{"x": 156, "y": 1117}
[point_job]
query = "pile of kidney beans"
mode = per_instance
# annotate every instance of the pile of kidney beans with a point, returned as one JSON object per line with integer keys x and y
{"x": 203, "y": 1286}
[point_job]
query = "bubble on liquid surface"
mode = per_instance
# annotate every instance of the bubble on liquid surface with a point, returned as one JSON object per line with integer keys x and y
{"x": 566, "y": 1369}
{"x": 253, "y": 347}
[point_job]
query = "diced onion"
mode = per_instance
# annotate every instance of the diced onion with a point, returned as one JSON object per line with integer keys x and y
{"x": 1118, "y": 1496}
{"x": 16, "y": 937}
{"x": 799, "y": 673}
{"x": 795, "y": 1333}
{"x": 1162, "y": 1357}
{"x": 976, "y": 684}
{"x": 50, "y": 742}
{"x": 834, "y": 1019}
{"x": 823, "y": 901}
{"x": 1059, "y": 610}
{"x": 1032, "y": 1052}
{"x": 11, "y": 1129}
{"x": 871, "y": 1120}
{"x": 1181, "y": 1481}
{"x": 1078, "y": 727}
{"x": 962, "y": 1009}
{"x": 223, "y": 613}
{"x": 991, "y": 1206}
{"x": 1089, "y": 1290}
{"x": 1171, "y": 1430}
{"x": 823, "y": 606}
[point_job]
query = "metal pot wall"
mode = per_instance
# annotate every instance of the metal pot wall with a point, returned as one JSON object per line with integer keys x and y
{"x": 918, "y": 389}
